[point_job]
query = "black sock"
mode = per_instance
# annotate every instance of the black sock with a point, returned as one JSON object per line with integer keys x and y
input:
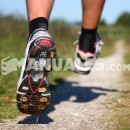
{"x": 87, "y": 40}
{"x": 37, "y": 23}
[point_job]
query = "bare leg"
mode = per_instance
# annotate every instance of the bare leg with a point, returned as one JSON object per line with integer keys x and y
{"x": 39, "y": 8}
{"x": 39, "y": 49}
{"x": 92, "y": 10}
{"x": 88, "y": 48}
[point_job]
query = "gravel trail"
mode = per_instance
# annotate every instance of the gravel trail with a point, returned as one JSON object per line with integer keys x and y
{"x": 77, "y": 104}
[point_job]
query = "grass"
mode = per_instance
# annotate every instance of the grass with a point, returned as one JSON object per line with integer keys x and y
{"x": 110, "y": 35}
{"x": 13, "y": 35}
{"x": 120, "y": 109}
{"x": 124, "y": 114}
{"x": 121, "y": 103}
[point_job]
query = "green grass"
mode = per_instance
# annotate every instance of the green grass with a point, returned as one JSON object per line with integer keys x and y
{"x": 124, "y": 115}
{"x": 127, "y": 54}
{"x": 121, "y": 103}
{"x": 13, "y": 35}
{"x": 128, "y": 128}
{"x": 110, "y": 35}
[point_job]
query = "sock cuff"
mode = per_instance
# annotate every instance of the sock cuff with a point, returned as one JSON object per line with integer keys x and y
{"x": 37, "y": 23}
{"x": 88, "y": 31}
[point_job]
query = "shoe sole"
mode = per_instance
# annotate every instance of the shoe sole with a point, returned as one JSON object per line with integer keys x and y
{"x": 86, "y": 72}
{"x": 33, "y": 95}
{"x": 82, "y": 72}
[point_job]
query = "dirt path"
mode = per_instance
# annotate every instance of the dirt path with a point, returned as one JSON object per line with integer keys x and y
{"x": 78, "y": 104}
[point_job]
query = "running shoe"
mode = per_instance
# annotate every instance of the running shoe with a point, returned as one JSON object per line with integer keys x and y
{"x": 33, "y": 94}
{"x": 84, "y": 61}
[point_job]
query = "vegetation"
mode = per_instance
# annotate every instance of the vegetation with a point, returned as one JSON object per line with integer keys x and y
{"x": 123, "y": 20}
{"x": 124, "y": 98}
{"x": 121, "y": 103}
{"x": 103, "y": 23}
{"x": 13, "y": 35}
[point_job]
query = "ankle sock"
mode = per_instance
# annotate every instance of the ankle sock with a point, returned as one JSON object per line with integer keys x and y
{"x": 37, "y": 23}
{"x": 87, "y": 40}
